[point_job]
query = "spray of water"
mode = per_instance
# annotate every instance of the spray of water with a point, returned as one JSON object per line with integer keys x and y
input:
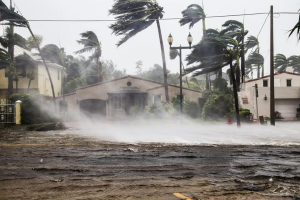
{"x": 188, "y": 132}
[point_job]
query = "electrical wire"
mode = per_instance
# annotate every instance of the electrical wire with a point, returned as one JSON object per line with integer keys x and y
{"x": 175, "y": 18}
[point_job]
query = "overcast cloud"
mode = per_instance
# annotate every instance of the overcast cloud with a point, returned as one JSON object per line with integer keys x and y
{"x": 145, "y": 46}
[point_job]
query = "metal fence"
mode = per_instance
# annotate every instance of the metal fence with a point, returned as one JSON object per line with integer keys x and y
{"x": 7, "y": 112}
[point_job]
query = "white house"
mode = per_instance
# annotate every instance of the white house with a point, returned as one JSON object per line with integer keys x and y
{"x": 287, "y": 95}
{"x": 41, "y": 83}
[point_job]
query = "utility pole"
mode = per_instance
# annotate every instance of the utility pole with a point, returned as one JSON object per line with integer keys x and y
{"x": 272, "y": 95}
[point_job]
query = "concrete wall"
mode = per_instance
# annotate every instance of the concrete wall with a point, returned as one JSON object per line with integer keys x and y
{"x": 286, "y": 98}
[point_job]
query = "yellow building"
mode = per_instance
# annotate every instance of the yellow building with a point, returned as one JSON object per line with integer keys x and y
{"x": 41, "y": 83}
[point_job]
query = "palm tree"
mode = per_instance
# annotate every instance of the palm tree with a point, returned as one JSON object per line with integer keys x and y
{"x": 191, "y": 15}
{"x": 252, "y": 42}
{"x": 256, "y": 60}
{"x": 90, "y": 43}
{"x": 296, "y": 27}
{"x": 31, "y": 77}
{"x": 280, "y": 63}
{"x": 133, "y": 16}
{"x": 235, "y": 29}
{"x": 295, "y": 63}
{"x": 8, "y": 14}
{"x": 212, "y": 54}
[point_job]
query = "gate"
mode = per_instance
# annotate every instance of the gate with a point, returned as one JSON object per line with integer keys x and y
{"x": 7, "y": 112}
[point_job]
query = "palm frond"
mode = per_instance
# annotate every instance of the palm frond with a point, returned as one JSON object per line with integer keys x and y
{"x": 193, "y": 14}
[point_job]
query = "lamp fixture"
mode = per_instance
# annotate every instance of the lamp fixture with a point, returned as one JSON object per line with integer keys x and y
{"x": 265, "y": 97}
{"x": 170, "y": 39}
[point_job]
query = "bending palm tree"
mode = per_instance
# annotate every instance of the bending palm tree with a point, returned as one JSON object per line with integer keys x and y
{"x": 256, "y": 60}
{"x": 90, "y": 43}
{"x": 191, "y": 15}
{"x": 133, "y": 16}
{"x": 295, "y": 63}
{"x": 212, "y": 54}
{"x": 235, "y": 29}
{"x": 280, "y": 63}
{"x": 296, "y": 27}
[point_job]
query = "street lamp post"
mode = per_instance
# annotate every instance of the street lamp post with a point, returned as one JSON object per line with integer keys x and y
{"x": 189, "y": 40}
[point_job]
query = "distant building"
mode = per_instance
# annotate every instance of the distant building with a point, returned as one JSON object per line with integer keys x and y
{"x": 114, "y": 98}
{"x": 41, "y": 83}
{"x": 287, "y": 95}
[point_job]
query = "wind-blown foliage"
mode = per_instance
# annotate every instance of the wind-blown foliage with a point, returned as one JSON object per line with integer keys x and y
{"x": 193, "y": 14}
{"x": 212, "y": 54}
{"x": 9, "y": 15}
{"x": 280, "y": 63}
{"x": 256, "y": 60}
{"x": 294, "y": 61}
{"x": 54, "y": 54}
{"x": 296, "y": 27}
{"x": 133, "y": 16}
{"x": 90, "y": 43}
{"x": 212, "y": 33}
{"x": 4, "y": 59}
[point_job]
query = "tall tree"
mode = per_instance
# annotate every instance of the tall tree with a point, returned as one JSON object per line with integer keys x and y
{"x": 235, "y": 29}
{"x": 295, "y": 63}
{"x": 212, "y": 54}
{"x": 8, "y": 14}
{"x": 257, "y": 60}
{"x": 280, "y": 63}
{"x": 91, "y": 43}
{"x": 134, "y": 16}
{"x": 191, "y": 15}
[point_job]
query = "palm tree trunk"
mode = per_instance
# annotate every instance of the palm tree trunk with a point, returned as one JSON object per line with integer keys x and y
{"x": 262, "y": 70}
{"x": 243, "y": 61}
{"x": 46, "y": 66}
{"x": 17, "y": 83}
{"x": 98, "y": 70}
{"x": 238, "y": 73}
{"x": 236, "y": 101}
{"x": 164, "y": 61}
{"x": 29, "y": 85}
{"x": 207, "y": 81}
{"x": 11, "y": 52}
{"x": 258, "y": 71}
{"x": 207, "y": 77}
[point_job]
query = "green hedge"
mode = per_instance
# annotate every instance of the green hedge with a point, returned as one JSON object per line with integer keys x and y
{"x": 31, "y": 112}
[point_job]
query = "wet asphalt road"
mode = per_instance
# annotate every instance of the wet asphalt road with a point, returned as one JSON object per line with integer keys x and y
{"x": 80, "y": 168}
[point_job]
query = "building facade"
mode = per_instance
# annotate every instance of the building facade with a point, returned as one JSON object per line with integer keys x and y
{"x": 287, "y": 95}
{"x": 40, "y": 84}
{"x": 114, "y": 99}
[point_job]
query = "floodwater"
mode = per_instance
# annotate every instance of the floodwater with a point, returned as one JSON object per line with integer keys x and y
{"x": 134, "y": 161}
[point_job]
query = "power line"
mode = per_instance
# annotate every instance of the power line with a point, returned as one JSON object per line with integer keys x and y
{"x": 112, "y": 20}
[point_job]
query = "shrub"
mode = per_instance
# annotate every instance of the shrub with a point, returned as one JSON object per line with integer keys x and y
{"x": 245, "y": 115}
{"x": 73, "y": 84}
{"x": 217, "y": 106}
{"x": 31, "y": 112}
{"x": 278, "y": 115}
{"x": 191, "y": 109}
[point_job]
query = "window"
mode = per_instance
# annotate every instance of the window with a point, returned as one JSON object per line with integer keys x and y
{"x": 178, "y": 96}
{"x": 117, "y": 103}
{"x": 265, "y": 83}
{"x": 157, "y": 99}
{"x": 288, "y": 83}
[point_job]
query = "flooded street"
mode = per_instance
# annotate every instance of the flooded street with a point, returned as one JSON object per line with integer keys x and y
{"x": 62, "y": 165}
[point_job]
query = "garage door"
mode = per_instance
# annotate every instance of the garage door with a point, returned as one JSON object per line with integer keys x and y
{"x": 287, "y": 108}
{"x": 93, "y": 107}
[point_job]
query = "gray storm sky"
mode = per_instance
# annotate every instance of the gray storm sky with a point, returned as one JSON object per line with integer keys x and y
{"x": 145, "y": 46}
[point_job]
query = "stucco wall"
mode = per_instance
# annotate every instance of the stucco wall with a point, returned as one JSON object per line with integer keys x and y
{"x": 100, "y": 91}
{"x": 44, "y": 82}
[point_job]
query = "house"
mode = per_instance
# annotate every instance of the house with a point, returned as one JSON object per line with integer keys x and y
{"x": 114, "y": 98}
{"x": 41, "y": 83}
{"x": 287, "y": 95}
